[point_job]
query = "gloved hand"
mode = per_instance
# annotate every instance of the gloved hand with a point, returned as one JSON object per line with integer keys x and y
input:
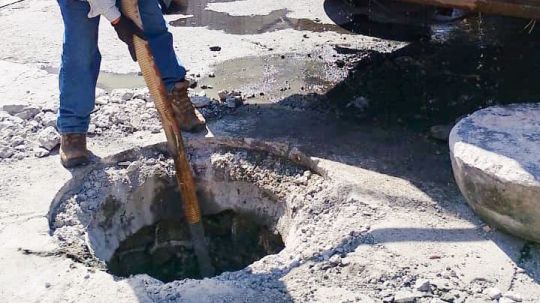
{"x": 125, "y": 28}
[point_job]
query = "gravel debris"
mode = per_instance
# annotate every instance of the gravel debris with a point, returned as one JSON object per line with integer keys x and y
{"x": 422, "y": 285}
{"x": 29, "y": 131}
{"x": 515, "y": 297}
{"x": 6, "y": 152}
{"x": 49, "y": 138}
{"x": 493, "y": 293}
{"x": 405, "y": 296}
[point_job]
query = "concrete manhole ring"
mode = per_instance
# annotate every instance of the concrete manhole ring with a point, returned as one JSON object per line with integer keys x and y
{"x": 97, "y": 215}
{"x": 496, "y": 161}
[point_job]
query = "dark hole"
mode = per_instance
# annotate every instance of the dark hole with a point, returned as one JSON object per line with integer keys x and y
{"x": 164, "y": 250}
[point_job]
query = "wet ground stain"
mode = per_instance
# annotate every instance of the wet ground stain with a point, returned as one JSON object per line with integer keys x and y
{"x": 448, "y": 69}
{"x": 347, "y": 19}
{"x": 109, "y": 81}
{"x": 164, "y": 251}
{"x": 528, "y": 258}
{"x": 273, "y": 77}
{"x": 470, "y": 65}
{"x": 196, "y": 15}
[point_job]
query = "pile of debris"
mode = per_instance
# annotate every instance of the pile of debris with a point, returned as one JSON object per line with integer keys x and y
{"x": 30, "y": 131}
{"x": 27, "y": 131}
{"x": 130, "y": 110}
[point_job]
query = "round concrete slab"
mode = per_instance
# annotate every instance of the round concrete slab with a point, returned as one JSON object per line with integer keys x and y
{"x": 496, "y": 160}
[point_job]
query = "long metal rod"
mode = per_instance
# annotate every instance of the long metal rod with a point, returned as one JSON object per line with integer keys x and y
{"x": 529, "y": 9}
{"x": 175, "y": 141}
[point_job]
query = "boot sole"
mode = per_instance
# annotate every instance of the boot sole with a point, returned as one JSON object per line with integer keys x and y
{"x": 71, "y": 163}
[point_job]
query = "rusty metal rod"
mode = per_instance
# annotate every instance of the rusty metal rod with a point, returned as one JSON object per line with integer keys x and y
{"x": 175, "y": 141}
{"x": 529, "y": 9}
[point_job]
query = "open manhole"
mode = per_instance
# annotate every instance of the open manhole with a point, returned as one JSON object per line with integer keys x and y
{"x": 164, "y": 250}
{"x": 125, "y": 216}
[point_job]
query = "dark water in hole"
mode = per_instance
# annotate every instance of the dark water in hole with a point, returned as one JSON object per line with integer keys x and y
{"x": 164, "y": 250}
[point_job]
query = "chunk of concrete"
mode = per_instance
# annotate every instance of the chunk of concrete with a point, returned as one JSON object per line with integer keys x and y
{"x": 13, "y": 109}
{"x": 513, "y": 296}
{"x": 422, "y": 285}
{"x": 28, "y": 112}
{"x": 49, "y": 138}
{"x": 5, "y": 152}
{"x": 404, "y": 296}
{"x": 493, "y": 293}
{"x": 200, "y": 101}
{"x": 119, "y": 95}
{"x": 48, "y": 119}
{"x": 495, "y": 155}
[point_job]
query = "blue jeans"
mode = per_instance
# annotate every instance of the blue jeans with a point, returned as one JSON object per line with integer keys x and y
{"x": 81, "y": 59}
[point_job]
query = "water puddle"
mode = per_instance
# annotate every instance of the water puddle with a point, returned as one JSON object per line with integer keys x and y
{"x": 451, "y": 69}
{"x": 348, "y": 19}
{"x": 265, "y": 78}
{"x": 196, "y": 15}
{"x": 109, "y": 81}
{"x": 274, "y": 77}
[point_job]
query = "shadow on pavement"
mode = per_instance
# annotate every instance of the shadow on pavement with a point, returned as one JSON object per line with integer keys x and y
{"x": 462, "y": 68}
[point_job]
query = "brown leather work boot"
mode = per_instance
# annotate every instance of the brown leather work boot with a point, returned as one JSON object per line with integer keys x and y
{"x": 73, "y": 150}
{"x": 188, "y": 117}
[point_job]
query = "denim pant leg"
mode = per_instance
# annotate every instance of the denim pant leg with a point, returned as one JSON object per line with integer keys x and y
{"x": 79, "y": 68}
{"x": 161, "y": 43}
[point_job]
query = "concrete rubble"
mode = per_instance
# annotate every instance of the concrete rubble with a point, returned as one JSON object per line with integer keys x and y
{"x": 48, "y": 138}
{"x": 123, "y": 111}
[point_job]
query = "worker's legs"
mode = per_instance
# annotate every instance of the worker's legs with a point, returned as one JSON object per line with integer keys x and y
{"x": 80, "y": 67}
{"x": 161, "y": 43}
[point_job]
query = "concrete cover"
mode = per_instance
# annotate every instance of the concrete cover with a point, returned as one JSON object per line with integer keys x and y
{"x": 496, "y": 159}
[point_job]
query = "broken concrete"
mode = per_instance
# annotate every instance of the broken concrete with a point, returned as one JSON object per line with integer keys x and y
{"x": 48, "y": 138}
{"x": 115, "y": 201}
{"x": 496, "y": 160}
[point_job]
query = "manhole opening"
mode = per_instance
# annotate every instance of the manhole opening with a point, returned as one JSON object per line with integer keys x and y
{"x": 164, "y": 250}
{"x": 126, "y": 214}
